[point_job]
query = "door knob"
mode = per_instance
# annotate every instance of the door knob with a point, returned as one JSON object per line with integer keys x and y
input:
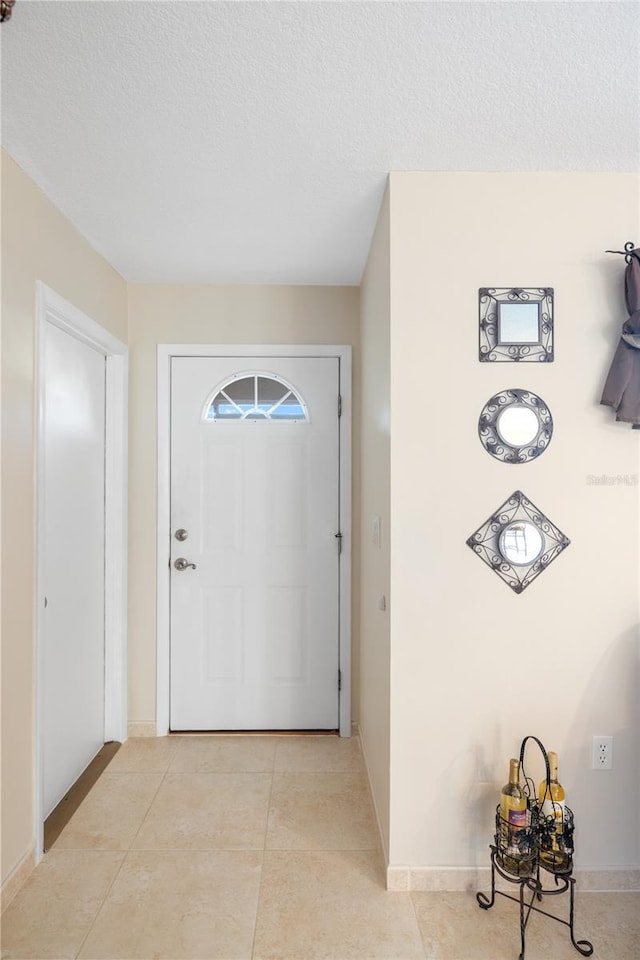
{"x": 181, "y": 534}
{"x": 182, "y": 564}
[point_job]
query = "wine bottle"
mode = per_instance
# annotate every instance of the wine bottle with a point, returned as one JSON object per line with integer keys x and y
{"x": 513, "y": 819}
{"x": 551, "y": 797}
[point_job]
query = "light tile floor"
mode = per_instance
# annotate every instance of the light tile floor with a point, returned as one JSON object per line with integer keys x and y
{"x": 260, "y": 848}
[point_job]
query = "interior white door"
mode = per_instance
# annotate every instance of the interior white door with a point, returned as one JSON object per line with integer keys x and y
{"x": 73, "y": 564}
{"x": 254, "y": 618}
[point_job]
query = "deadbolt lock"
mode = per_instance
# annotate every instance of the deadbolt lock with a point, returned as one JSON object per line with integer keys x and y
{"x": 181, "y": 534}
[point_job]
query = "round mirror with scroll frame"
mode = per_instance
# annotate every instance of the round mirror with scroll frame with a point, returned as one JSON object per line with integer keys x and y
{"x": 515, "y": 426}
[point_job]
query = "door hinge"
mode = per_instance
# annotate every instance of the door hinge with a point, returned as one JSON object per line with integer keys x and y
{"x": 339, "y": 539}
{"x": 339, "y": 679}
{"x": 339, "y": 405}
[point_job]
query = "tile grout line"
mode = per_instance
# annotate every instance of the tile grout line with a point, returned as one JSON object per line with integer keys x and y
{"x": 119, "y": 870}
{"x": 102, "y": 902}
{"x": 285, "y": 855}
{"x": 189, "y": 850}
{"x": 264, "y": 850}
{"x": 165, "y": 773}
{"x": 225, "y": 849}
{"x": 420, "y": 934}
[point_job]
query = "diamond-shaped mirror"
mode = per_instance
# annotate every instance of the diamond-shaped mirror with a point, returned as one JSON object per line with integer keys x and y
{"x": 518, "y": 542}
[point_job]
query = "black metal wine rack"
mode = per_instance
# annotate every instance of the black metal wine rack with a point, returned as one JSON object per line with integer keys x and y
{"x": 541, "y": 849}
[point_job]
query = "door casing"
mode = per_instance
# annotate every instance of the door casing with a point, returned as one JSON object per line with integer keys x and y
{"x": 52, "y": 308}
{"x": 165, "y": 354}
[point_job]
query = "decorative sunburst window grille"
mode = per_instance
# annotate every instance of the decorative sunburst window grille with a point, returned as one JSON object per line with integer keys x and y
{"x": 256, "y": 396}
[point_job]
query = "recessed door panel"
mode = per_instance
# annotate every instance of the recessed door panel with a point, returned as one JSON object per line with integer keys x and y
{"x": 221, "y": 494}
{"x": 288, "y": 478}
{"x": 288, "y": 630}
{"x": 222, "y": 634}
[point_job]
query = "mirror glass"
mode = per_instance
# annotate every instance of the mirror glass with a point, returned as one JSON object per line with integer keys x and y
{"x": 518, "y": 323}
{"x": 520, "y": 543}
{"x": 517, "y": 425}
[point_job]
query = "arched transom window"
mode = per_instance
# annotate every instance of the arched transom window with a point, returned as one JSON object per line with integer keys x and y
{"x": 256, "y": 396}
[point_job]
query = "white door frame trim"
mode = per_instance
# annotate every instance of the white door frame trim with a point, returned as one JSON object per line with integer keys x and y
{"x": 52, "y": 308}
{"x": 166, "y": 351}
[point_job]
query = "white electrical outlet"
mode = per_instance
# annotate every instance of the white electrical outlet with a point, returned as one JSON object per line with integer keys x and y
{"x": 602, "y": 753}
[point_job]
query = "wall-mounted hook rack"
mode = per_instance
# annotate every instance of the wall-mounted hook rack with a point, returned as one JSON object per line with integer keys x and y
{"x": 628, "y": 252}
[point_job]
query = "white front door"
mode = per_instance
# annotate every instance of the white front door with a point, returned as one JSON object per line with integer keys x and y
{"x": 255, "y": 497}
{"x": 73, "y": 661}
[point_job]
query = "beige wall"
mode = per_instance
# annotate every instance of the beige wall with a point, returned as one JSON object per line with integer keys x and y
{"x": 459, "y": 668}
{"x": 475, "y": 667}
{"x": 38, "y": 243}
{"x": 374, "y": 494}
{"x": 202, "y": 314}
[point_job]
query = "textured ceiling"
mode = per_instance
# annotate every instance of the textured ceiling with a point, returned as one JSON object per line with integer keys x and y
{"x": 249, "y": 142}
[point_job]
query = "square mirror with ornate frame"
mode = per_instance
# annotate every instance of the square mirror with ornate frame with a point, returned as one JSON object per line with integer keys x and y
{"x": 516, "y": 323}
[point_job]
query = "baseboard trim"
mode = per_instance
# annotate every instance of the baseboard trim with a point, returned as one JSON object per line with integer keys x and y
{"x": 356, "y": 732}
{"x": 141, "y": 730}
{"x": 17, "y": 878}
{"x": 449, "y": 879}
{"x": 609, "y": 879}
{"x": 460, "y": 879}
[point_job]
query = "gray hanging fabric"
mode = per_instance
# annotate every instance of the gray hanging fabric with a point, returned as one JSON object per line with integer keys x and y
{"x": 622, "y": 389}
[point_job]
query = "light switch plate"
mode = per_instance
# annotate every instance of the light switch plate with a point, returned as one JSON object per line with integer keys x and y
{"x": 376, "y": 530}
